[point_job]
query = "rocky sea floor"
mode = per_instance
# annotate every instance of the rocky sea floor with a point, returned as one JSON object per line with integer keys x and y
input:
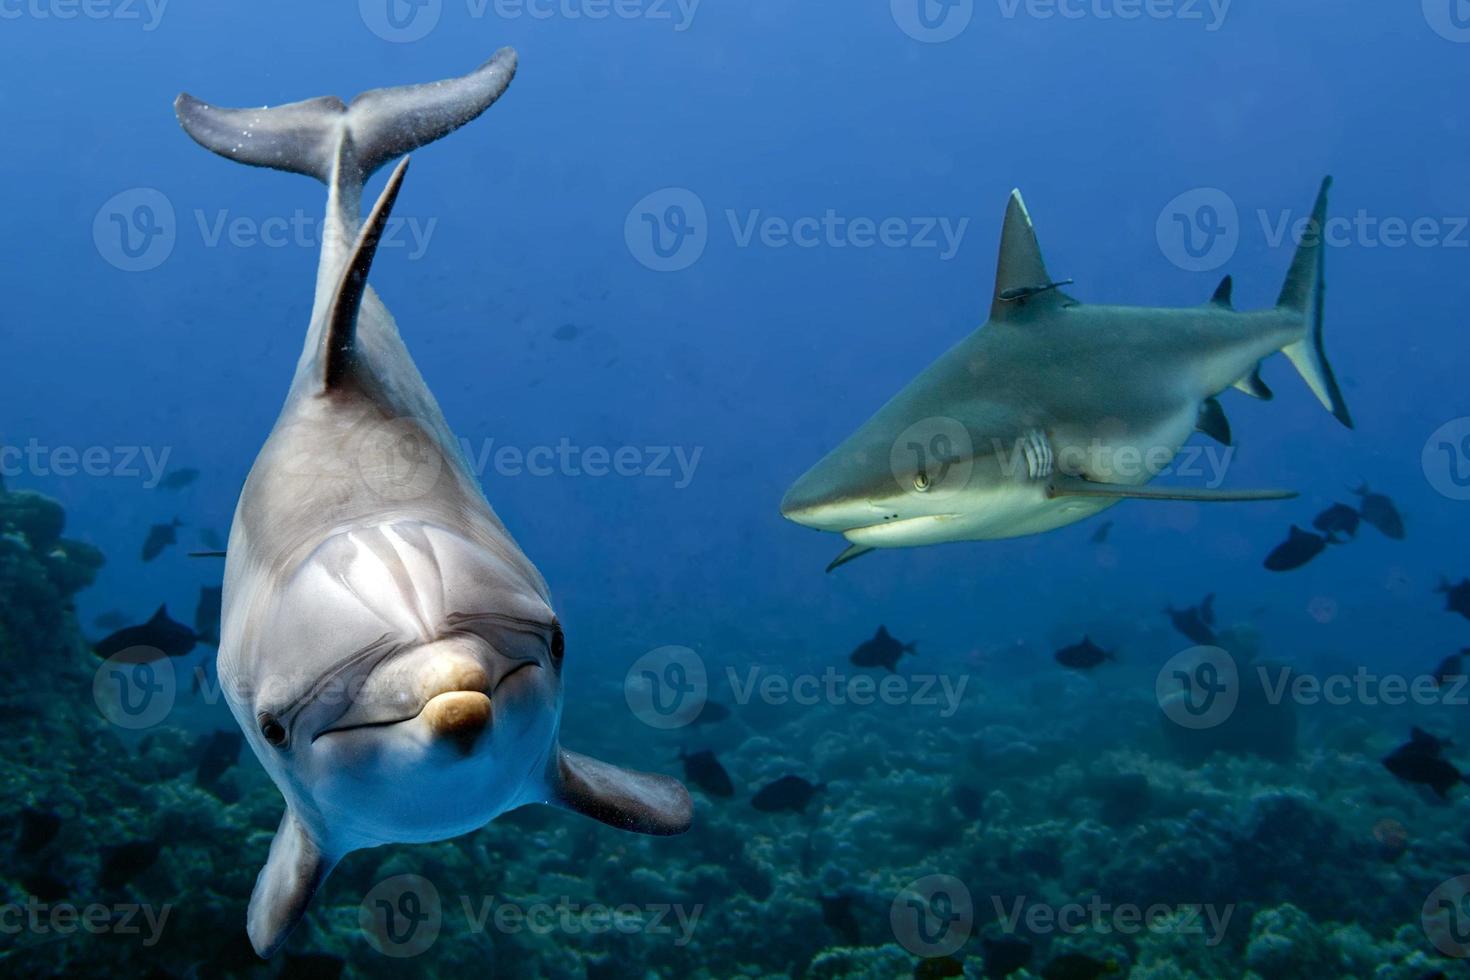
{"x": 1072, "y": 831}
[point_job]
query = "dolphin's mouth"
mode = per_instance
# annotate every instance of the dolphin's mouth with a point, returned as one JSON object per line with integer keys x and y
{"x": 453, "y": 708}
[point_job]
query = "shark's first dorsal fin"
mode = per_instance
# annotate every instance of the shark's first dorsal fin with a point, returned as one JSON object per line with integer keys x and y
{"x": 1022, "y": 284}
{"x": 336, "y": 356}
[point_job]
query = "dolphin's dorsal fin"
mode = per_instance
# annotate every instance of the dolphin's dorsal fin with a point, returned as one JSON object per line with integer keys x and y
{"x": 1222, "y": 293}
{"x": 294, "y": 870}
{"x": 640, "y": 802}
{"x": 337, "y": 342}
{"x": 1022, "y": 284}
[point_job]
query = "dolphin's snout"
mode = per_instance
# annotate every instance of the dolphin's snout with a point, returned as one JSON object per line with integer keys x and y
{"x": 460, "y": 716}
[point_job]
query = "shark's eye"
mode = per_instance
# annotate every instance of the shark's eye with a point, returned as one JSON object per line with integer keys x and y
{"x": 921, "y": 481}
{"x": 558, "y": 644}
{"x": 271, "y": 729}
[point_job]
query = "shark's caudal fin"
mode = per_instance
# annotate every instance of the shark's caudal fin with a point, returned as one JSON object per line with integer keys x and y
{"x": 1302, "y": 294}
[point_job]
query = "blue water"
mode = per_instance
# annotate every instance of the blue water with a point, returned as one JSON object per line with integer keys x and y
{"x": 757, "y": 358}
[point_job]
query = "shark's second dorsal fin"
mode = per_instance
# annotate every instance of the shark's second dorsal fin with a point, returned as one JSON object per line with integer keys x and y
{"x": 1022, "y": 284}
{"x": 1222, "y": 293}
{"x": 338, "y": 340}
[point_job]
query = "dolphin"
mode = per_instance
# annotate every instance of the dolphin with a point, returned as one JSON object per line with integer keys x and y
{"x": 392, "y": 656}
{"x": 1054, "y": 410}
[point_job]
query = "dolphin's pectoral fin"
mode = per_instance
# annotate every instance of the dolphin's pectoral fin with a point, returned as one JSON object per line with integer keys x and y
{"x": 640, "y": 802}
{"x": 293, "y": 872}
{"x": 1073, "y": 486}
{"x": 1021, "y": 279}
{"x": 1212, "y": 421}
{"x": 851, "y": 553}
{"x": 336, "y": 355}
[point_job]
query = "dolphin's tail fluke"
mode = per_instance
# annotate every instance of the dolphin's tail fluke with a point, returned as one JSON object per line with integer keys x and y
{"x": 1302, "y": 294}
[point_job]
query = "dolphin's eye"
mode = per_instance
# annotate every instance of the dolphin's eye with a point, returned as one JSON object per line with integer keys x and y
{"x": 558, "y": 644}
{"x": 921, "y": 481}
{"x": 271, "y": 729}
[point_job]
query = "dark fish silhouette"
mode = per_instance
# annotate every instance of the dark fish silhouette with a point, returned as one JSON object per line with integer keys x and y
{"x": 705, "y": 771}
{"x": 123, "y": 863}
{"x": 837, "y": 914}
{"x": 1381, "y": 512}
{"x": 1100, "y": 536}
{"x": 311, "y": 966}
{"x": 160, "y": 536}
{"x": 1421, "y": 761}
{"x": 939, "y": 967}
{"x": 1196, "y": 622}
{"x": 37, "y": 829}
{"x": 1337, "y": 519}
{"x": 881, "y": 651}
{"x": 207, "y": 612}
{"x": 1456, "y": 597}
{"x": 45, "y": 886}
{"x": 1005, "y": 955}
{"x": 111, "y": 620}
{"x": 218, "y": 751}
{"x": 1450, "y": 668}
{"x": 1083, "y": 656}
{"x": 159, "y": 637}
{"x": 179, "y": 479}
{"x": 789, "y": 793}
{"x": 1299, "y": 548}
{"x": 712, "y": 713}
{"x": 567, "y": 331}
{"x": 1078, "y": 966}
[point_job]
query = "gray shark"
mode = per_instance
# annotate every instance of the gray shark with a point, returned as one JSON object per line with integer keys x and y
{"x": 392, "y": 656}
{"x": 1055, "y": 410}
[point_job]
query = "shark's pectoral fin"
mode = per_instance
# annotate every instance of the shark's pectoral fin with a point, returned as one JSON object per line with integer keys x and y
{"x": 640, "y": 802}
{"x": 337, "y": 352}
{"x": 851, "y": 553}
{"x": 1212, "y": 421}
{"x": 1073, "y": 486}
{"x": 293, "y": 872}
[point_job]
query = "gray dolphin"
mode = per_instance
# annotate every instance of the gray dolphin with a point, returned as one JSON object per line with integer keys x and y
{"x": 1055, "y": 410}
{"x": 392, "y": 656}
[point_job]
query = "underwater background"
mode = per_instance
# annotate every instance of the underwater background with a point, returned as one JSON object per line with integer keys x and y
{"x": 995, "y": 813}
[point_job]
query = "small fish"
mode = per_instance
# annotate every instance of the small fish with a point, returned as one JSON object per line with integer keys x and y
{"x": 567, "y": 331}
{"x": 1299, "y": 548}
{"x": 210, "y": 538}
{"x": 705, "y": 771}
{"x": 789, "y": 793}
{"x": 1078, "y": 966}
{"x": 159, "y": 637}
{"x": 1337, "y": 519}
{"x": 179, "y": 479}
{"x": 207, "y": 612}
{"x": 217, "y": 751}
{"x": 160, "y": 536}
{"x": 1456, "y": 597}
{"x": 123, "y": 863}
{"x": 111, "y": 620}
{"x": 1100, "y": 536}
{"x": 1083, "y": 656}
{"x": 938, "y": 967}
{"x": 881, "y": 651}
{"x": 37, "y": 829}
{"x": 1381, "y": 512}
{"x": 1005, "y": 955}
{"x": 1196, "y": 622}
{"x": 1450, "y": 669}
{"x": 1421, "y": 761}
{"x": 712, "y": 713}
{"x": 837, "y": 914}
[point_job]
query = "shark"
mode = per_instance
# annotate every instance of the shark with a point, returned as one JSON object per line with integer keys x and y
{"x": 1054, "y": 410}
{"x": 392, "y": 656}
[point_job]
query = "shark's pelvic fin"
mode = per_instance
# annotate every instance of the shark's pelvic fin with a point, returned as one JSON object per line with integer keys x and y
{"x": 641, "y": 802}
{"x": 1302, "y": 293}
{"x": 1212, "y": 421}
{"x": 1072, "y": 486}
{"x": 293, "y": 872}
{"x": 1222, "y": 293}
{"x": 1022, "y": 284}
{"x": 851, "y": 553}
{"x": 1253, "y": 385}
{"x": 337, "y": 343}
